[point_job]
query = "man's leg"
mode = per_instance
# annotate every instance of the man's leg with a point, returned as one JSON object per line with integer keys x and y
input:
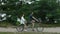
{"x": 33, "y": 24}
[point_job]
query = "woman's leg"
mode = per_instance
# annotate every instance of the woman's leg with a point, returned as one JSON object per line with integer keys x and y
{"x": 25, "y": 27}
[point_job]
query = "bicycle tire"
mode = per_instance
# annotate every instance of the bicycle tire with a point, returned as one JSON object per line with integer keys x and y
{"x": 20, "y": 28}
{"x": 40, "y": 29}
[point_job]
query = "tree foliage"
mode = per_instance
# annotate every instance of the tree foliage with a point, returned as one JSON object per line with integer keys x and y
{"x": 41, "y": 9}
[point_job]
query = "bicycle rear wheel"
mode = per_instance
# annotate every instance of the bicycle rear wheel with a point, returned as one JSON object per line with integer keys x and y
{"x": 20, "y": 28}
{"x": 40, "y": 29}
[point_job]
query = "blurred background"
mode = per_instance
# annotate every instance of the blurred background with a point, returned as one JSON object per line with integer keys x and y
{"x": 47, "y": 10}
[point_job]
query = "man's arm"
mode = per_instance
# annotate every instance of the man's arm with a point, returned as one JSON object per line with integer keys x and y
{"x": 35, "y": 19}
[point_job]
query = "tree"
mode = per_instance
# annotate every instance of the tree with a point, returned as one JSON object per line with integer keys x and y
{"x": 44, "y": 8}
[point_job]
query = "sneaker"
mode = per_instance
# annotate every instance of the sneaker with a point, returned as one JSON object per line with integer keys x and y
{"x": 25, "y": 30}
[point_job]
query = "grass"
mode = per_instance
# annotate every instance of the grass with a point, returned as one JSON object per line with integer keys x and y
{"x": 6, "y": 24}
{"x": 48, "y": 25}
{"x": 27, "y": 33}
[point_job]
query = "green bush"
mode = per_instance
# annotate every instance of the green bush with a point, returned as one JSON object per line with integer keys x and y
{"x": 17, "y": 23}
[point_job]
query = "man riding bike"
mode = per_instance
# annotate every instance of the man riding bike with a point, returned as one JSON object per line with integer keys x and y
{"x": 32, "y": 20}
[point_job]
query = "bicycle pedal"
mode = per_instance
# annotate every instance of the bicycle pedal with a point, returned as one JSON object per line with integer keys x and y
{"x": 33, "y": 30}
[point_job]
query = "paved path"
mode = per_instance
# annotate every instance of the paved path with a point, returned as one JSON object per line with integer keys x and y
{"x": 55, "y": 29}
